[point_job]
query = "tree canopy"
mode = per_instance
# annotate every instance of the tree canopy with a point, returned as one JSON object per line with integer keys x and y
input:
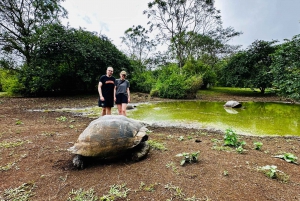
{"x": 177, "y": 19}
{"x": 20, "y": 21}
{"x": 69, "y": 60}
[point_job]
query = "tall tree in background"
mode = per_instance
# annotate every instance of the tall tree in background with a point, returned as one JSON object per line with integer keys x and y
{"x": 175, "y": 19}
{"x": 20, "y": 21}
{"x": 251, "y": 68}
{"x": 138, "y": 44}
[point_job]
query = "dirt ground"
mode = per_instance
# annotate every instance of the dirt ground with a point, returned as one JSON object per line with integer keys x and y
{"x": 35, "y": 163}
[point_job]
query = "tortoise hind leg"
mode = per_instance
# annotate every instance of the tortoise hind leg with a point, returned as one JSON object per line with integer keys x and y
{"x": 78, "y": 161}
{"x": 140, "y": 151}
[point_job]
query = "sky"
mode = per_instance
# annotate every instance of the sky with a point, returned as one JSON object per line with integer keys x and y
{"x": 257, "y": 19}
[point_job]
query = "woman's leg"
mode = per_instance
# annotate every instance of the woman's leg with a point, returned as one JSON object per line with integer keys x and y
{"x": 124, "y": 106}
{"x": 119, "y": 109}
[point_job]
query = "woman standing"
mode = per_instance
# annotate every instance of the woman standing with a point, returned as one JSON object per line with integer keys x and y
{"x": 122, "y": 93}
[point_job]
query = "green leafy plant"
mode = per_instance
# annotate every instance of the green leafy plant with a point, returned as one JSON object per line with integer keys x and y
{"x": 181, "y": 138}
{"x": 240, "y": 149}
{"x": 81, "y": 195}
{"x": 19, "y": 122}
{"x": 272, "y": 172}
{"x": 188, "y": 157}
{"x": 231, "y": 139}
{"x": 258, "y": 145}
{"x": 288, "y": 157}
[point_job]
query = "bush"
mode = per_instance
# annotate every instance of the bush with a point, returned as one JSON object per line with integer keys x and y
{"x": 142, "y": 82}
{"x": 172, "y": 83}
{"x": 9, "y": 82}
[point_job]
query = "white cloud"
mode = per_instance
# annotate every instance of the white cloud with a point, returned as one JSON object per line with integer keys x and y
{"x": 108, "y": 17}
{"x": 257, "y": 19}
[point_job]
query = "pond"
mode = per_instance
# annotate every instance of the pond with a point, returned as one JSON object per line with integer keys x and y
{"x": 254, "y": 118}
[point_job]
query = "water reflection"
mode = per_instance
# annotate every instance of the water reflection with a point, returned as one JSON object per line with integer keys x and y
{"x": 253, "y": 118}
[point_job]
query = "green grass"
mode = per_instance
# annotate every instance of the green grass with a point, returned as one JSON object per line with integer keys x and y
{"x": 235, "y": 91}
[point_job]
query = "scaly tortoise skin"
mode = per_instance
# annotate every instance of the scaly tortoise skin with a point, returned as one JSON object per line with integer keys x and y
{"x": 109, "y": 137}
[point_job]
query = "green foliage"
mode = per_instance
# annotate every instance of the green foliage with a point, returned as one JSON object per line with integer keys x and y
{"x": 232, "y": 139}
{"x": 20, "y": 21}
{"x": 11, "y": 144}
{"x": 180, "y": 24}
{"x": 171, "y": 83}
{"x": 286, "y": 69}
{"x": 199, "y": 67}
{"x": 70, "y": 60}
{"x": 258, "y": 145}
{"x": 250, "y": 68}
{"x": 188, "y": 157}
{"x": 240, "y": 149}
{"x": 9, "y": 81}
{"x": 156, "y": 145}
{"x": 21, "y": 193}
{"x": 142, "y": 82}
{"x": 81, "y": 195}
{"x": 288, "y": 157}
{"x": 61, "y": 118}
{"x": 116, "y": 192}
{"x": 272, "y": 172}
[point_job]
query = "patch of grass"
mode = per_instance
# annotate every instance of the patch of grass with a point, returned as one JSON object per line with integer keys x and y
{"x": 173, "y": 166}
{"x": 234, "y": 91}
{"x": 149, "y": 188}
{"x": 48, "y": 134}
{"x": 8, "y": 166}
{"x": 21, "y": 193}
{"x": 157, "y": 145}
{"x": 116, "y": 192}
{"x": 61, "y": 118}
{"x": 178, "y": 194}
{"x": 11, "y": 144}
{"x": 81, "y": 195}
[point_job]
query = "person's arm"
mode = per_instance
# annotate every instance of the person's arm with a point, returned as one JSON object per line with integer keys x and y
{"x": 100, "y": 91}
{"x": 115, "y": 91}
{"x": 128, "y": 92}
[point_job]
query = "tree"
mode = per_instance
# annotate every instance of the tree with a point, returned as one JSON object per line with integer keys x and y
{"x": 286, "y": 68}
{"x": 70, "y": 60}
{"x": 251, "y": 68}
{"x": 138, "y": 44}
{"x": 19, "y": 23}
{"x": 175, "y": 19}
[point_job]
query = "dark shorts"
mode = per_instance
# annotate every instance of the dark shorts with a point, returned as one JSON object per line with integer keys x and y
{"x": 121, "y": 98}
{"x": 108, "y": 102}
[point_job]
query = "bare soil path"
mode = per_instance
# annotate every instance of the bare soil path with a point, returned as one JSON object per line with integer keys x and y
{"x": 34, "y": 160}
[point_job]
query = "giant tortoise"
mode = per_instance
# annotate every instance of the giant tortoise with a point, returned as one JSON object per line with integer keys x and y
{"x": 109, "y": 137}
